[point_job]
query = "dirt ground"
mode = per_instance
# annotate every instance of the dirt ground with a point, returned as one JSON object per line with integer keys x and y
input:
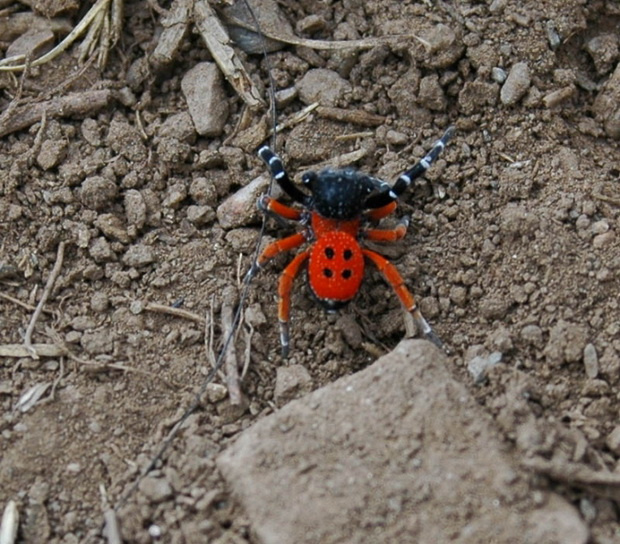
{"x": 512, "y": 249}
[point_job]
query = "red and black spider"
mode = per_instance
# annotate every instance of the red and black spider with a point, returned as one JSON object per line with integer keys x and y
{"x": 336, "y": 216}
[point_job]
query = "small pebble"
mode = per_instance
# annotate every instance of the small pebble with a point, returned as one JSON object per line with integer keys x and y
{"x": 203, "y": 87}
{"x": 139, "y": 255}
{"x": 516, "y": 85}
{"x": 291, "y": 382}
{"x": 394, "y": 137}
{"x": 34, "y": 43}
{"x": 603, "y": 240}
{"x": 613, "y": 440}
{"x": 499, "y": 75}
{"x": 74, "y": 468}
{"x": 200, "y": 215}
{"x": 599, "y": 227}
{"x": 533, "y": 335}
{"x": 216, "y": 392}
{"x": 112, "y": 227}
{"x": 323, "y": 86}
{"x": 557, "y": 97}
{"x": 479, "y": 366}
{"x": 99, "y": 302}
{"x": 155, "y": 490}
{"x": 240, "y": 208}
{"x": 135, "y": 208}
{"x": 590, "y": 361}
{"x": 52, "y": 153}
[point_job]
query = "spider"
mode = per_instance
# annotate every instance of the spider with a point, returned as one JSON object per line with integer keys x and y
{"x": 336, "y": 216}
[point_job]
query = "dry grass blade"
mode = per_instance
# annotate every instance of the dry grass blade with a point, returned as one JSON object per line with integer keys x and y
{"x": 46, "y": 293}
{"x": 219, "y": 43}
{"x": 93, "y": 17}
{"x": 42, "y": 350}
{"x": 291, "y": 39}
{"x": 177, "y": 312}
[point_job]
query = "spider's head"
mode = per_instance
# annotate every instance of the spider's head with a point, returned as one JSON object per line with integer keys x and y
{"x": 339, "y": 194}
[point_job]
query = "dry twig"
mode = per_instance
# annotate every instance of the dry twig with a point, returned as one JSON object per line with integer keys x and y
{"x": 218, "y": 42}
{"x": 177, "y": 312}
{"x": 232, "y": 369}
{"x": 46, "y": 293}
{"x": 74, "y": 104}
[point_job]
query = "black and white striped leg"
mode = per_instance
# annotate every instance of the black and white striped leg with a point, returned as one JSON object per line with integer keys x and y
{"x": 276, "y": 167}
{"x": 406, "y": 179}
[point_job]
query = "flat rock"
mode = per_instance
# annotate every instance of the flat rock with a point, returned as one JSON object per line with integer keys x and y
{"x": 203, "y": 87}
{"x": 399, "y": 452}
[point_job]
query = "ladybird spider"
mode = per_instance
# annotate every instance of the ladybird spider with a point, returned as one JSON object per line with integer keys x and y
{"x": 335, "y": 219}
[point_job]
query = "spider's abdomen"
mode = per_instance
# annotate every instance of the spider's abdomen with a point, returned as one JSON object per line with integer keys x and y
{"x": 335, "y": 269}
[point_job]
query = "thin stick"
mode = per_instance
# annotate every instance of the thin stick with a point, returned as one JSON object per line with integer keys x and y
{"x": 46, "y": 293}
{"x": 248, "y": 349}
{"x": 232, "y": 370}
{"x": 42, "y": 350}
{"x": 178, "y": 312}
{"x": 24, "y": 305}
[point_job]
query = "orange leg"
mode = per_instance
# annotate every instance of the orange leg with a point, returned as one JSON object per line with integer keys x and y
{"x": 275, "y": 248}
{"x": 284, "y": 291}
{"x": 381, "y": 212}
{"x": 275, "y": 207}
{"x": 393, "y": 277}
{"x": 391, "y": 235}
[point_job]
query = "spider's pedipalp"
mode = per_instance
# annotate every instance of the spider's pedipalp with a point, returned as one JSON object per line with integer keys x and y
{"x": 276, "y": 167}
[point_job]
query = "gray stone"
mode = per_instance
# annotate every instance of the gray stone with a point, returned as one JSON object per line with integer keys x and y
{"x": 590, "y": 361}
{"x": 291, "y": 381}
{"x": 203, "y": 88}
{"x": 139, "y": 255}
{"x": 156, "y": 490}
{"x": 388, "y": 455}
{"x": 516, "y": 85}
{"x": 240, "y": 208}
{"x": 613, "y": 440}
{"x": 52, "y": 153}
{"x": 34, "y": 43}
{"x": 323, "y": 86}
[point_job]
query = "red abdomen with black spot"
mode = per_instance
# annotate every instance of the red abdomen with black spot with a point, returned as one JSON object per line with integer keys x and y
{"x": 335, "y": 268}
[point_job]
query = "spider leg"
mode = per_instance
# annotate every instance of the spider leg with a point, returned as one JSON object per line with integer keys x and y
{"x": 274, "y": 249}
{"x": 393, "y": 277}
{"x": 387, "y": 235}
{"x": 276, "y": 209}
{"x": 406, "y": 179}
{"x": 284, "y": 291}
{"x": 276, "y": 167}
{"x": 383, "y": 211}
